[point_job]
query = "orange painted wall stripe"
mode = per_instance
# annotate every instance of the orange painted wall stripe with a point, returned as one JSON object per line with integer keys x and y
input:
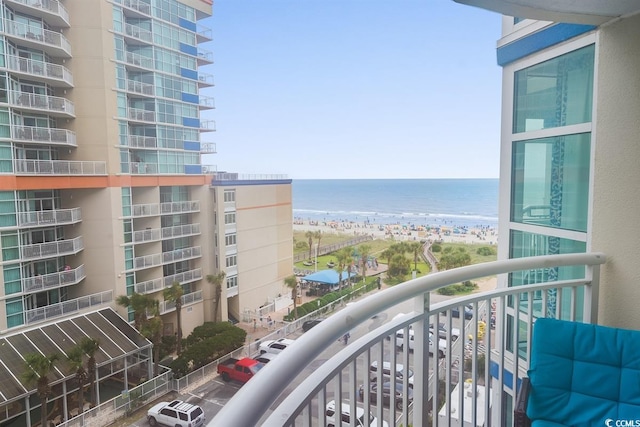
{"x": 263, "y": 206}
{"x": 39, "y": 182}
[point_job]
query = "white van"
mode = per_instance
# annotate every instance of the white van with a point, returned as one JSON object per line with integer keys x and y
{"x": 442, "y": 344}
{"x": 345, "y": 419}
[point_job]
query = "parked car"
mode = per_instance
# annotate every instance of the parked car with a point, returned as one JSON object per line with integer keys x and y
{"x": 401, "y": 375}
{"x": 176, "y": 414}
{"x": 468, "y": 311}
{"x": 440, "y": 351}
{"x": 275, "y": 346}
{"x": 310, "y": 324}
{"x": 387, "y": 394}
{"x": 443, "y": 333}
{"x": 265, "y": 357}
{"x": 345, "y": 418}
{"x": 239, "y": 369}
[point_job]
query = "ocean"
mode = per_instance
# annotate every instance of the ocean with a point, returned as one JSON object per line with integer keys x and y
{"x": 467, "y": 203}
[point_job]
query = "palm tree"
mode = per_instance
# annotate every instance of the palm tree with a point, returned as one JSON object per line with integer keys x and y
{"x": 365, "y": 251}
{"x": 415, "y": 248}
{"x": 174, "y": 293}
{"x": 309, "y": 235}
{"x": 387, "y": 254}
{"x": 37, "y": 368}
{"x": 216, "y": 281}
{"x": 139, "y": 303}
{"x": 292, "y": 283}
{"x": 152, "y": 330}
{"x": 318, "y": 236}
{"x": 75, "y": 357}
{"x": 90, "y": 347}
{"x": 344, "y": 258}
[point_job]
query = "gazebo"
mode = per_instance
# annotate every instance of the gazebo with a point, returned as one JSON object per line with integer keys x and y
{"x": 326, "y": 280}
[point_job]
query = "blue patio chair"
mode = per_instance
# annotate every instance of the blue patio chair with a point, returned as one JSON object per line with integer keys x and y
{"x": 580, "y": 375}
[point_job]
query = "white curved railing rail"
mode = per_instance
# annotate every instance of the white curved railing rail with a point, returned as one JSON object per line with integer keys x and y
{"x": 304, "y": 404}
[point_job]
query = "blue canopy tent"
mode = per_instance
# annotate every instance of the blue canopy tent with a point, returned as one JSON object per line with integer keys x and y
{"x": 328, "y": 279}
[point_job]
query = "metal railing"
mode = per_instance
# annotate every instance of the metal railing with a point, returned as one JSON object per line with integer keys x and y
{"x": 167, "y": 208}
{"x": 140, "y": 87}
{"x": 52, "y": 249}
{"x": 138, "y": 33}
{"x": 188, "y": 299}
{"x": 53, "y": 280}
{"x": 233, "y": 176}
{"x": 52, "y": 6}
{"x": 67, "y": 307}
{"x": 59, "y": 167}
{"x": 39, "y": 68}
{"x": 139, "y": 60}
{"x": 47, "y": 218}
{"x": 38, "y": 35}
{"x": 46, "y": 135}
{"x": 137, "y": 141}
{"x": 205, "y": 80}
{"x": 37, "y": 101}
{"x": 435, "y": 378}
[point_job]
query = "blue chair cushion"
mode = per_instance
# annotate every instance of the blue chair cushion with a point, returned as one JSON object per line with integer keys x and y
{"x": 582, "y": 374}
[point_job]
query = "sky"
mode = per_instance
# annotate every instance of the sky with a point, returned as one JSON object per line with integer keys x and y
{"x": 318, "y": 89}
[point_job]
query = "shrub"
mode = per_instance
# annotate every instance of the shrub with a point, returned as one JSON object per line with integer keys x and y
{"x": 436, "y": 247}
{"x": 486, "y": 251}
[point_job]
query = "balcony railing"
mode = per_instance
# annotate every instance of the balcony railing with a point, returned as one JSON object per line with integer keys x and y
{"x": 208, "y": 148}
{"x": 140, "y": 115}
{"x": 138, "y": 141}
{"x": 205, "y": 80}
{"x": 140, "y": 88}
{"x": 188, "y": 299}
{"x": 184, "y": 277}
{"x": 53, "y": 280}
{"x": 54, "y": 43}
{"x": 34, "y": 101}
{"x": 139, "y": 60}
{"x": 49, "y": 7}
{"x": 203, "y": 34}
{"x": 49, "y": 218}
{"x": 44, "y": 135}
{"x": 466, "y": 374}
{"x": 181, "y": 254}
{"x": 204, "y": 56}
{"x": 45, "y": 70}
{"x": 167, "y": 208}
{"x": 138, "y": 5}
{"x": 207, "y": 102}
{"x": 180, "y": 231}
{"x": 138, "y": 33}
{"x": 66, "y": 308}
{"x": 143, "y": 168}
{"x": 59, "y": 167}
{"x": 207, "y": 126}
{"x": 52, "y": 249}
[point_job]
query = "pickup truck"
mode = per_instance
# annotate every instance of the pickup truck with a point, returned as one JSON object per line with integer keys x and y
{"x": 239, "y": 369}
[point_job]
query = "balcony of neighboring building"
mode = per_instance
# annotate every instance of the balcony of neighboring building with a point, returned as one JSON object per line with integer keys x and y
{"x": 141, "y": 88}
{"x": 208, "y": 148}
{"x": 207, "y": 126}
{"x": 155, "y": 260}
{"x": 51, "y": 42}
{"x": 205, "y": 57}
{"x": 52, "y": 12}
{"x": 188, "y": 299}
{"x": 45, "y": 250}
{"x": 139, "y": 141}
{"x": 135, "y": 35}
{"x": 66, "y": 308}
{"x": 48, "y": 218}
{"x": 52, "y": 105}
{"x": 42, "y": 135}
{"x": 479, "y": 351}
{"x": 136, "y": 8}
{"x": 143, "y": 168}
{"x": 155, "y": 285}
{"x": 46, "y": 282}
{"x": 206, "y": 102}
{"x": 59, "y": 167}
{"x": 156, "y": 234}
{"x": 203, "y": 33}
{"x": 46, "y": 72}
{"x": 141, "y": 115}
{"x": 205, "y": 80}
{"x": 167, "y": 208}
{"x": 139, "y": 62}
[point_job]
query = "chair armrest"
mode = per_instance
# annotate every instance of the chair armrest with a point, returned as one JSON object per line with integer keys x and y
{"x": 520, "y": 409}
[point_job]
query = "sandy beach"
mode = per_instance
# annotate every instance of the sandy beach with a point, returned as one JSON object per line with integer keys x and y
{"x": 402, "y": 232}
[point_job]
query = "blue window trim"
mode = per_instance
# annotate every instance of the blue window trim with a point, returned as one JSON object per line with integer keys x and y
{"x": 540, "y": 40}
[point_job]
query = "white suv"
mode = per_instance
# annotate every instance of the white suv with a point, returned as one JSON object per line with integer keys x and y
{"x": 386, "y": 372}
{"x": 345, "y": 419}
{"x": 275, "y": 346}
{"x": 442, "y": 344}
{"x": 176, "y": 413}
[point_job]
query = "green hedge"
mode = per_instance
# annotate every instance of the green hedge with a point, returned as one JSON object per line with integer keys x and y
{"x": 460, "y": 288}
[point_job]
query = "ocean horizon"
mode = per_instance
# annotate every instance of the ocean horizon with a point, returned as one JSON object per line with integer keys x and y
{"x": 429, "y": 202}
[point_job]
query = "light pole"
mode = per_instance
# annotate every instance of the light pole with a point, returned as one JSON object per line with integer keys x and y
{"x": 316, "y": 260}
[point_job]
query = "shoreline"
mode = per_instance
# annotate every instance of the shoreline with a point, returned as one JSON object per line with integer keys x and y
{"x": 403, "y": 232}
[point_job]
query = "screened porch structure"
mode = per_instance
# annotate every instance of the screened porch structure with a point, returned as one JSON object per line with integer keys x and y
{"x": 124, "y": 359}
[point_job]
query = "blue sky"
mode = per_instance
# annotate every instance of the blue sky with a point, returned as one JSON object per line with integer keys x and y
{"x": 355, "y": 89}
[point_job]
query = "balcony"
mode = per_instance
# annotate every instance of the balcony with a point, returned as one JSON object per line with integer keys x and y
{"x": 137, "y": 141}
{"x": 205, "y": 80}
{"x": 49, "y": 218}
{"x": 47, "y": 72}
{"x": 52, "y": 11}
{"x": 140, "y": 9}
{"x": 53, "y": 43}
{"x": 181, "y": 254}
{"x": 140, "y": 115}
{"x": 54, "y": 105}
{"x": 158, "y": 284}
{"x": 180, "y": 231}
{"x": 203, "y": 34}
{"x": 145, "y": 236}
{"x": 204, "y": 57}
{"x": 140, "y": 61}
{"x": 140, "y": 88}
{"x": 207, "y": 126}
{"x": 51, "y": 249}
{"x": 67, "y": 308}
{"x": 188, "y": 299}
{"x": 140, "y": 168}
{"x": 168, "y": 208}
{"x": 208, "y": 148}
{"x": 469, "y": 379}
{"x": 134, "y": 34}
{"x": 59, "y": 167}
{"x": 206, "y": 103}
{"x": 54, "y": 280}
{"x": 48, "y": 136}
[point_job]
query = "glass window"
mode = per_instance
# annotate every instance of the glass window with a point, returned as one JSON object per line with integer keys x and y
{"x": 550, "y": 181}
{"x": 554, "y": 93}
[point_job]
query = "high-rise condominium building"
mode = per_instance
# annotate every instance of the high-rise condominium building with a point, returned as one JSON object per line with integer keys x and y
{"x": 103, "y": 188}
